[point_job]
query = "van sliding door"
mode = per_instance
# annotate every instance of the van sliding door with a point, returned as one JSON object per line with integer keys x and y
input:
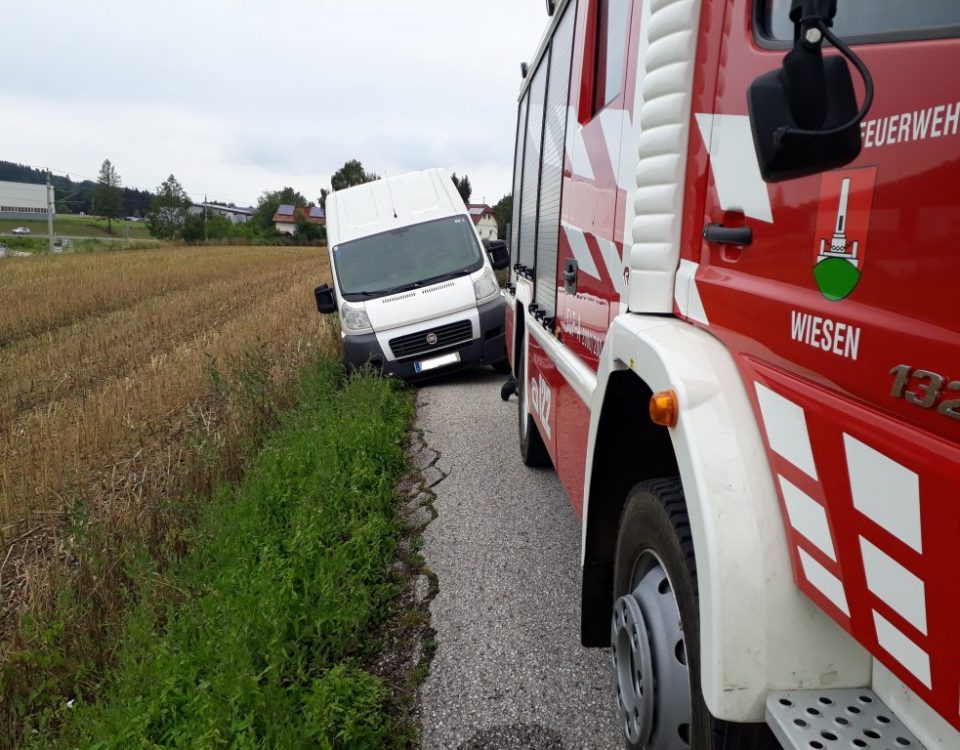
{"x": 551, "y": 167}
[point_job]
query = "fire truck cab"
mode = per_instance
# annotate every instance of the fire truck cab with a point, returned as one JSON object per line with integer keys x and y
{"x": 733, "y": 325}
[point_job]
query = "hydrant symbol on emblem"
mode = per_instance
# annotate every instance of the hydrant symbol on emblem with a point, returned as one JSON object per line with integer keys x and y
{"x": 843, "y": 223}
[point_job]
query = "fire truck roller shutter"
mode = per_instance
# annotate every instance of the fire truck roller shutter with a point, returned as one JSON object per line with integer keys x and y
{"x": 518, "y": 181}
{"x": 531, "y": 166}
{"x": 758, "y": 633}
{"x": 551, "y": 166}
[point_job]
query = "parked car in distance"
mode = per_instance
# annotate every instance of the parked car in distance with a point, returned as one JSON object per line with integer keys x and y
{"x": 20, "y": 230}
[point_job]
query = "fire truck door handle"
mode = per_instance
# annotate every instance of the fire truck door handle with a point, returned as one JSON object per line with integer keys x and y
{"x": 570, "y": 277}
{"x": 728, "y": 235}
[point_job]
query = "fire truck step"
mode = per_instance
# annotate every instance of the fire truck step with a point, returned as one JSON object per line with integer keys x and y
{"x": 826, "y": 719}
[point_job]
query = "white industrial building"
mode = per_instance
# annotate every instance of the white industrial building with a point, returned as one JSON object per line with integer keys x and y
{"x": 22, "y": 200}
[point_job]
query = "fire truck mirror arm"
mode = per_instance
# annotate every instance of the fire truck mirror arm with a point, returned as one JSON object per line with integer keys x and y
{"x": 804, "y": 116}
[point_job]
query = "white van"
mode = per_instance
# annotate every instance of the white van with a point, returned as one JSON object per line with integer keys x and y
{"x": 416, "y": 293}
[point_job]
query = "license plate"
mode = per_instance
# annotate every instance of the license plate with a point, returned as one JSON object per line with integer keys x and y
{"x": 433, "y": 364}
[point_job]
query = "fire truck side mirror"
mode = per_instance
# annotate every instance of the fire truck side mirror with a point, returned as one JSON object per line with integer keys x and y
{"x": 804, "y": 116}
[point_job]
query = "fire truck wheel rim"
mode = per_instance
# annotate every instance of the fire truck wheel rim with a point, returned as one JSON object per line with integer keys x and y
{"x": 632, "y": 665}
{"x": 649, "y": 658}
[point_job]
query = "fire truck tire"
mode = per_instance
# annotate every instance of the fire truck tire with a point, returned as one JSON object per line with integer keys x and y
{"x": 533, "y": 452}
{"x": 656, "y": 654}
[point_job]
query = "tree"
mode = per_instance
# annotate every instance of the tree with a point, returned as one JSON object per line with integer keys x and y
{"x": 322, "y": 202}
{"x": 219, "y": 227}
{"x": 350, "y": 174}
{"x": 169, "y": 208}
{"x": 107, "y": 195}
{"x": 463, "y": 187}
{"x": 307, "y": 232}
{"x": 504, "y": 212}
{"x": 194, "y": 227}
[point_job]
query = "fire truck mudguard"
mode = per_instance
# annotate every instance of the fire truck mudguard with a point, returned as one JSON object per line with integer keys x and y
{"x": 757, "y": 631}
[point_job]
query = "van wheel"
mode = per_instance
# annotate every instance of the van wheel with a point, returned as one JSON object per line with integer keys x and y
{"x": 655, "y": 631}
{"x": 533, "y": 452}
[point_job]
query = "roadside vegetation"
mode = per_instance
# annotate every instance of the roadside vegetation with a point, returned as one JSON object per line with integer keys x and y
{"x": 259, "y": 635}
{"x": 131, "y": 385}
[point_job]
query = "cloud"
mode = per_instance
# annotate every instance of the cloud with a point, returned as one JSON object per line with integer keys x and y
{"x": 240, "y": 97}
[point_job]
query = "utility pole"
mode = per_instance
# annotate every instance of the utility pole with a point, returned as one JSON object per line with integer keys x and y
{"x": 205, "y": 239}
{"x": 50, "y": 210}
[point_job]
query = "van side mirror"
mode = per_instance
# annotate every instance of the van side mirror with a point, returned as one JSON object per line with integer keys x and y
{"x": 805, "y": 117}
{"x": 499, "y": 254}
{"x": 326, "y": 298}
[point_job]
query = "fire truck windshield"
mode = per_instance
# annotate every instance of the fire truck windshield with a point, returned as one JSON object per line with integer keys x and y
{"x": 406, "y": 258}
{"x": 866, "y": 18}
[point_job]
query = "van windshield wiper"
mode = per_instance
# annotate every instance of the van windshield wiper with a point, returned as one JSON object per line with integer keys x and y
{"x": 391, "y": 290}
{"x": 413, "y": 284}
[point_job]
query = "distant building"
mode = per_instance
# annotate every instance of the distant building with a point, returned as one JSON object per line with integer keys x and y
{"x": 485, "y": 220}
{"x": 22, "y": 200}
{"x": 236, "y": 214}
{"x": 285, "y": 219}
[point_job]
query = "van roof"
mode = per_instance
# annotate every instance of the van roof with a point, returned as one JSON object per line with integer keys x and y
{"x": 370, "y": 208}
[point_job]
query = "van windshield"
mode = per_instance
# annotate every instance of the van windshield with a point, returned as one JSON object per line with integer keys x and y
{"x": 405, "y": 258}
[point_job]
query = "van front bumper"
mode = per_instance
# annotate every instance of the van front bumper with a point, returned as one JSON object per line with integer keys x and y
{"x": 488, "y": 348}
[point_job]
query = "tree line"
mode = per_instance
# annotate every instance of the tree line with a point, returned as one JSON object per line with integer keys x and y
{"x": 74, "y": 196}
{"x": 168, "y": 209}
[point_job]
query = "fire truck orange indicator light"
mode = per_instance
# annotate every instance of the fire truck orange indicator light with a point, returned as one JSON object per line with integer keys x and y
{"x": 664, "y": 408}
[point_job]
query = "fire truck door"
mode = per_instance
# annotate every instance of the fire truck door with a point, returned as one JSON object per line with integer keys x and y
{"x": 841, "y": 308}
{"x": 597, "y": 171}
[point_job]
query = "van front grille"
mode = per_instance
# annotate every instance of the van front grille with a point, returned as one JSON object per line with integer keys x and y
{"x": 414, "y": 344}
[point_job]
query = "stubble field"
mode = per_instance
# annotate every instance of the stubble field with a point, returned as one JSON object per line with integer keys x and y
{"x": 128, "y": 379}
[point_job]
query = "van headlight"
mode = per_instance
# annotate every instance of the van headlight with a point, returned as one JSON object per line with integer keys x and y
{"x": 487, "y": 285}
{"x": 354, "y": 317}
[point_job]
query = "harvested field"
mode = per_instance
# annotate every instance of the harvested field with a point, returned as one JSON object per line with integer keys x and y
{"x": 128, "y": 379}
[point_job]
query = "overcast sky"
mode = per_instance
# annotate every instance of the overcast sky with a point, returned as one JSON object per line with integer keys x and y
{"x": 239, "y": 97}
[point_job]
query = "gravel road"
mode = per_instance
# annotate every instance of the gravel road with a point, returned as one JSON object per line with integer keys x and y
{"x": 509, "y": 671}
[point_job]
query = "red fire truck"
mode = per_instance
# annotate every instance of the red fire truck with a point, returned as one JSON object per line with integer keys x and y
{"x": 733, "y": 327}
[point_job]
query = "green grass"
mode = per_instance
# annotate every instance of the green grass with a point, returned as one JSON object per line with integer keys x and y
{"x": 258, "y": 637}
{"x": 71, "y": 225}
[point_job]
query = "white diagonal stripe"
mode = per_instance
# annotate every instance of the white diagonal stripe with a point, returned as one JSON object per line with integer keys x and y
{"x": 576, "y": 148}
{"x": 808, "y": 517}
{"x": 895, "y": 585}
{"x": 901, "y": 648}
{"x": 686, "y": 293}
{"x": 884, "y": 491}
{"x": 613, "y": 262}
{"x": 581, "y": 251}
{"x": 786, "y": 426}
{"x": 618, "y": 137}
{"x": 733, "y": 158}
{"x": 824, "y": 581}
